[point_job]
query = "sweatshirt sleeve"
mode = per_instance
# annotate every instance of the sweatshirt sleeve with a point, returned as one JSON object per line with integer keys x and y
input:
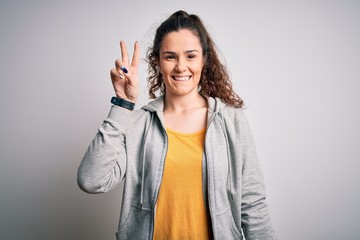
{"x": 256, "y": 222}
{"x": 104, "y": 163}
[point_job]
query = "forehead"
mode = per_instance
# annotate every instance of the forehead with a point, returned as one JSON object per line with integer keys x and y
{"x": 181, "y": 40}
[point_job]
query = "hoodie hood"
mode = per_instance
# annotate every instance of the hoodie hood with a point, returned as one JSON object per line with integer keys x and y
{"x": 157, "y": 105}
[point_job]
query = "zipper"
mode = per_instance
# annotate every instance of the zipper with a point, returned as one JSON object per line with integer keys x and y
{"x": 209, "y": 196}
{"x": 158, "y": 189}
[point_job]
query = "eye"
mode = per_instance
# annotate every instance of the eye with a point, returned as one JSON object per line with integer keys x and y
{"x": 191, "y": 56}
{"x": 169, "y": 57}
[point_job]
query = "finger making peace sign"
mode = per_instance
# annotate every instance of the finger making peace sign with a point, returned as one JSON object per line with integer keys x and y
{"x": 124, "y": 76}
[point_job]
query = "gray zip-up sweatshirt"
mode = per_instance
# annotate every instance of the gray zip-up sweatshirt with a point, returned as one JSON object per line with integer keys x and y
{"x": 133, "y": 146}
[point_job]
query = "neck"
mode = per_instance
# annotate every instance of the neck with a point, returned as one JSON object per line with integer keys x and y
{"x": 185, "y": 102}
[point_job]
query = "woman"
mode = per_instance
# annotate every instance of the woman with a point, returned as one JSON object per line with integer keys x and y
{"x": 188, "y": 157}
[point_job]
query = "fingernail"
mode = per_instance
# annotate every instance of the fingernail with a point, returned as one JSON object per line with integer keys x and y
{"x": 124, "y": 69}
{"x": 121, "y": 76}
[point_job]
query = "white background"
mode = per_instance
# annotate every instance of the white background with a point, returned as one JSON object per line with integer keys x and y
{"x": 295, "y": 63}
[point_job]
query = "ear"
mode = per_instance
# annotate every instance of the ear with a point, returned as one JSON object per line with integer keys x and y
{"x": 158, "y": 65}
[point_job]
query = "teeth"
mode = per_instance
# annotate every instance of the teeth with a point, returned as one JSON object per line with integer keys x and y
{"x": 182, "y": 78}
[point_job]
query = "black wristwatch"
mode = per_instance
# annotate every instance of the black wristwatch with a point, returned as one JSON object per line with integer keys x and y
{"x": 123, "y": 103}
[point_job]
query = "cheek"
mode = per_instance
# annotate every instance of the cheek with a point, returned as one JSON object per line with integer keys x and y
{"x": 166, "y": 69}
{"x": 199, "y": 68}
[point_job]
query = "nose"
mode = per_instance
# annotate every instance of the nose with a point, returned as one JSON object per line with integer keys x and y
{"x": 181, "y": 65}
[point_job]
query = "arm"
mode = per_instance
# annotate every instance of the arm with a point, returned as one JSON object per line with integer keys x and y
{"x": 256, "y": 222}
{"x": 104, "y": 163}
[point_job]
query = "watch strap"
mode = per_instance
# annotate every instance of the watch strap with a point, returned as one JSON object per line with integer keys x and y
{"x": 123, "y": 103}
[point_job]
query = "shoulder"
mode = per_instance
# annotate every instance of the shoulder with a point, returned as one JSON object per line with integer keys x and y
{"x": 224, "y": 110}
{"x": 232, "y": 112}
{"x": 235, "y": 119}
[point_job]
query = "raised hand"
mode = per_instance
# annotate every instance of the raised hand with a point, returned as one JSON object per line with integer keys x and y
{"x": 126, "y": 84}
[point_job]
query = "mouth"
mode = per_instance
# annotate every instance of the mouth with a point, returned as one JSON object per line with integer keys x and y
{"x": 181, "y": 78}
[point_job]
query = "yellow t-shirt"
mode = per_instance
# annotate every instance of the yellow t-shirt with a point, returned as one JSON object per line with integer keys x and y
{"x": 180, "y": 209}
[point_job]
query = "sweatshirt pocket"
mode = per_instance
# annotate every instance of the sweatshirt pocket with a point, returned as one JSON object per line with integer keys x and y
{"x": 136, "y": 225}
{"x": 226, "y": 226}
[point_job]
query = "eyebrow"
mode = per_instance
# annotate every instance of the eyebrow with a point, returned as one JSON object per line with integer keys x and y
{"x": 170, "y": 52}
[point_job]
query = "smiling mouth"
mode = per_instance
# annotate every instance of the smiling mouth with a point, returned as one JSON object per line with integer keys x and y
{"x": 181, "y": 78}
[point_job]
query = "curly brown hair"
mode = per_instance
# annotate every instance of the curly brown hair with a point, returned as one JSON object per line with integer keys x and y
{"x": 214, "y": 81}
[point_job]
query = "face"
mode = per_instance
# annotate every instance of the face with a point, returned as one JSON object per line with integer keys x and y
{"x": 181, "y": 62}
